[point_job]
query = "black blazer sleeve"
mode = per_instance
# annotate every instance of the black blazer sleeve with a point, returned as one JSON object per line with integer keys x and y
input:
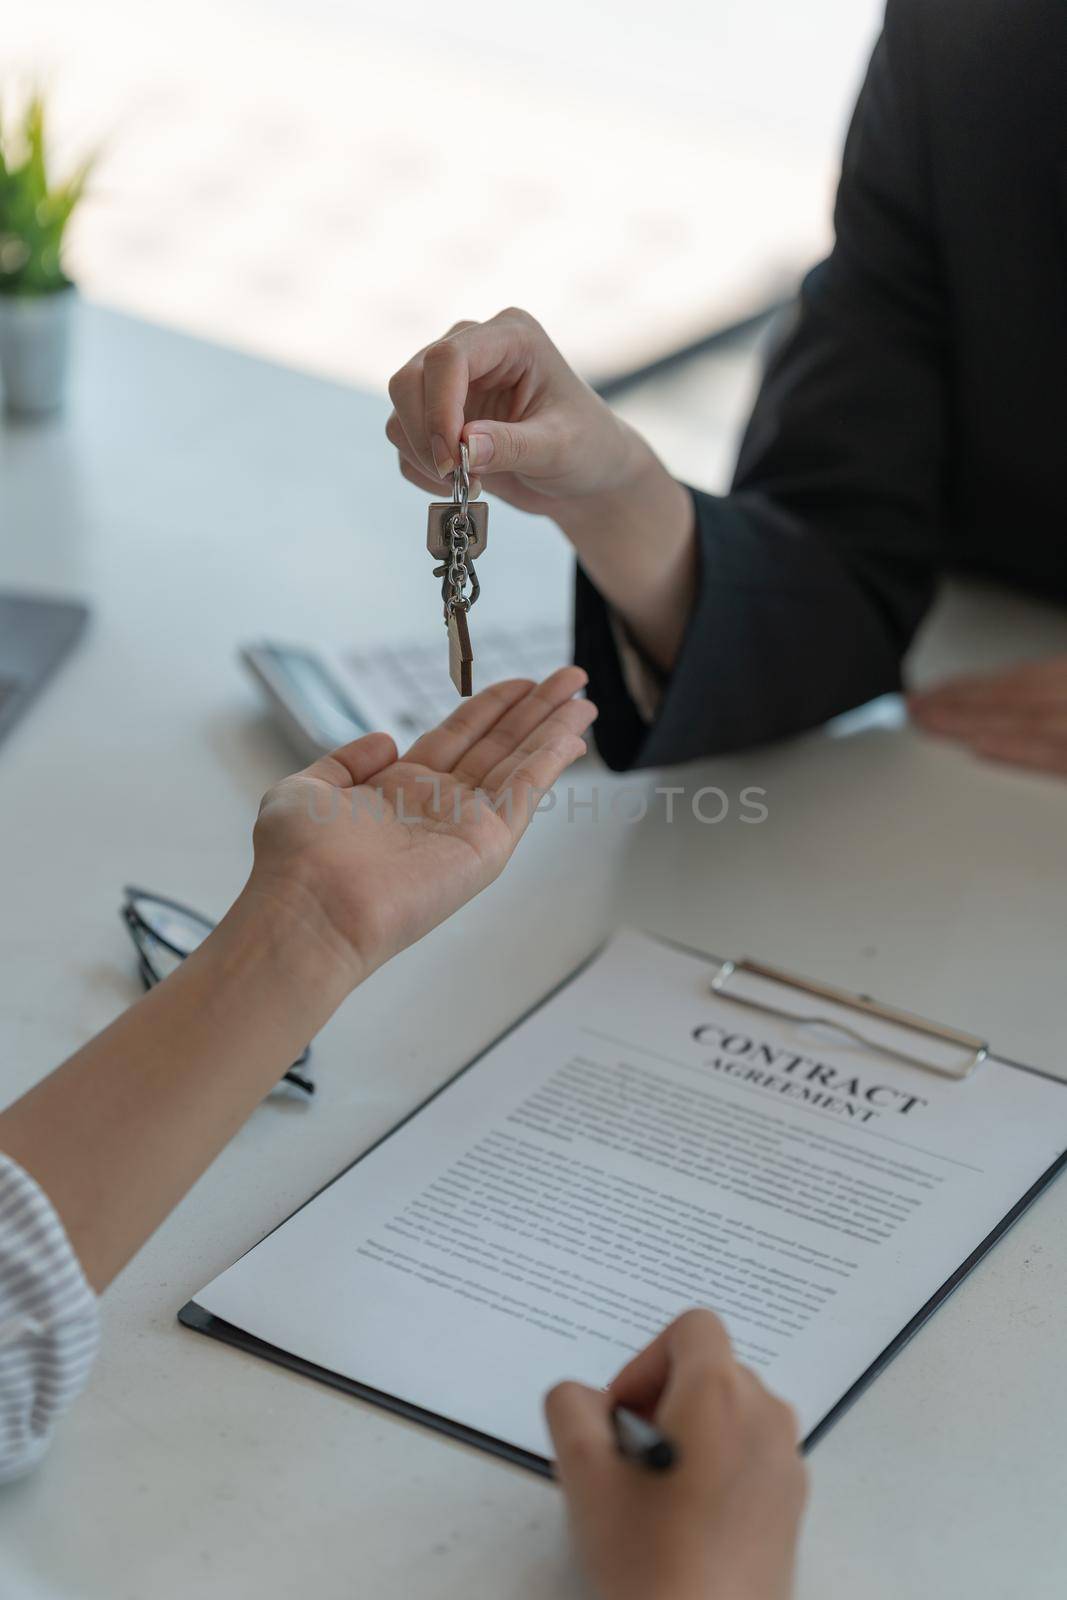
{"x": 816, "y": 568}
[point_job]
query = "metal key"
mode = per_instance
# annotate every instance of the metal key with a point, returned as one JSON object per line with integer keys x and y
{"x": 437, "y": 536}
{"x": 458, "y": 531}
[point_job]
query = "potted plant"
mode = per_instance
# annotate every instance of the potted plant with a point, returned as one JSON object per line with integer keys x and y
{"x": 36, "y": 296}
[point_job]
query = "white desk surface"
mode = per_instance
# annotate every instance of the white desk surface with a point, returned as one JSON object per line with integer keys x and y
{"x": 198, "y": 498}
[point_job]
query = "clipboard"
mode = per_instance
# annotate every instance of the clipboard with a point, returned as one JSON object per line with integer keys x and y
{"x": 724, "y": 983}
{"x": 882, "y": 1023}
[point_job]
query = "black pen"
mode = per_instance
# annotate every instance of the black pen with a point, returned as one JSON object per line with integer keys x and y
{"x": 642, "y": 1441}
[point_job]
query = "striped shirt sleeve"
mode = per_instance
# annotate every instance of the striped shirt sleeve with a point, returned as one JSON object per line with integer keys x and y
{"x": 49, "y": 1322}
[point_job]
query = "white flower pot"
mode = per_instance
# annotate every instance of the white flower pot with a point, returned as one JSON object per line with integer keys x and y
{"x": 34, "y": 350}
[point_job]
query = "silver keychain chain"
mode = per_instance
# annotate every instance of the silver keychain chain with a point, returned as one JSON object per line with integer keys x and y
{"x": 457, "y": 531}
{"x": 459, "y": 573}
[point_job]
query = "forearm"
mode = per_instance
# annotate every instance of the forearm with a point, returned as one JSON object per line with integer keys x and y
{"x": 637, "y": 543}
{"x": 119, "y": 1132}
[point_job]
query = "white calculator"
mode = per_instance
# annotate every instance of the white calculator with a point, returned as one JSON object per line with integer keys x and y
{"x": 324, "y": 698}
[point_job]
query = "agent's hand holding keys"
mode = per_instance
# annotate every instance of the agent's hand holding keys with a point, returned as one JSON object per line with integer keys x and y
{"x": 540, "y": 438}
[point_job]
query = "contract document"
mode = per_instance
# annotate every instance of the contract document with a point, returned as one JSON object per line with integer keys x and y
{"x": 634, "y": 1146}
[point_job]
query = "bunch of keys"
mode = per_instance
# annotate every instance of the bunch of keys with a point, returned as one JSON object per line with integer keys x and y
{"x": 458, "y": 531}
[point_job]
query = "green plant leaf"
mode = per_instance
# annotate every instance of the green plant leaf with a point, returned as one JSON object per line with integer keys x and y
{"x": 34, "y": 216}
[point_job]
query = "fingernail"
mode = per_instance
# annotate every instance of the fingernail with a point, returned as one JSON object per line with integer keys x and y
{"x": 441, "y": 458}
{"x": 479, "y": 449}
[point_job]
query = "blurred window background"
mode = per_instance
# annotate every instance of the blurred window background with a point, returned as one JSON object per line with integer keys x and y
{"x": 331, "y": 184}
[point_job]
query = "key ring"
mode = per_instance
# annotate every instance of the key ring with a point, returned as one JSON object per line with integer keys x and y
{"x": 461, "y": 482}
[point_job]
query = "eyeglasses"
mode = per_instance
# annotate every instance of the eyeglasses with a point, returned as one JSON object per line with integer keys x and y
{"x": 164, "y": 933}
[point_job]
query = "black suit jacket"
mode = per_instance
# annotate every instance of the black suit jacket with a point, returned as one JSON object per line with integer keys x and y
{"x": 915, "y": 417}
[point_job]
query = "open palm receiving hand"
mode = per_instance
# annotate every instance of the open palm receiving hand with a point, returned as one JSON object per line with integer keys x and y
{"x": 373, "y": 851}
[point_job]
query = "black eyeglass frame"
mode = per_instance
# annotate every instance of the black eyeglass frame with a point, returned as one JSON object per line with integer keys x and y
{"x": 138, "y": 929}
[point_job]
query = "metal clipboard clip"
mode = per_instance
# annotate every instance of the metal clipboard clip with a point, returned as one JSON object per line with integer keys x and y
{"x": 885, "y": 1018}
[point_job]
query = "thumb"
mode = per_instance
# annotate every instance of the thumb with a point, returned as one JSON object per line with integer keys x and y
{"x": 525, "y": 447}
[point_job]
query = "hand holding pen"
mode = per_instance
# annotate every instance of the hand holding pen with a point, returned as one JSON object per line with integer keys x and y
{"x": 706, "y": 1499}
